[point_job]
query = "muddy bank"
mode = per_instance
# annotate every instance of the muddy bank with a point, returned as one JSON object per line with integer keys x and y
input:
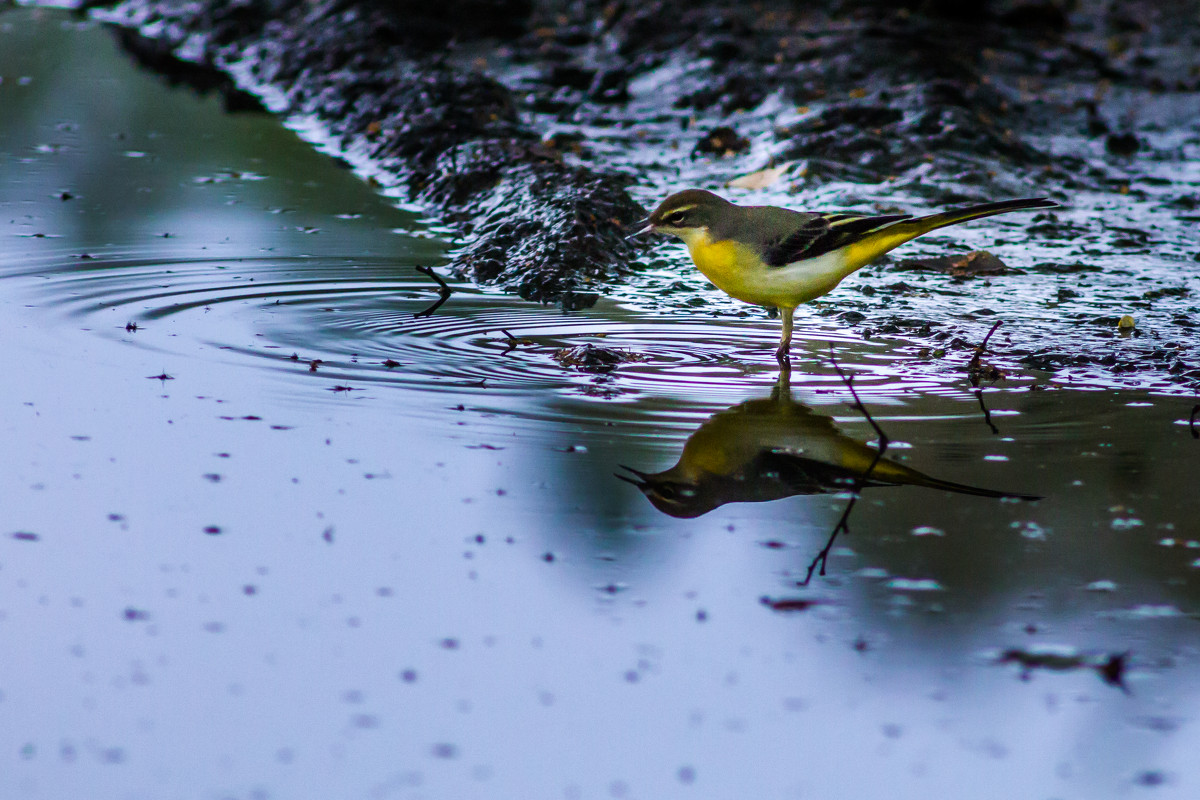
{"x": 378, "y": 81}
{"x": 542, "y": 142}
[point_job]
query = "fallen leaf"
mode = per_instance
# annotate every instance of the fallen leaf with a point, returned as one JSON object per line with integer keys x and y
{"x": 761, "y": 179}
{"x": 977, "y": 262}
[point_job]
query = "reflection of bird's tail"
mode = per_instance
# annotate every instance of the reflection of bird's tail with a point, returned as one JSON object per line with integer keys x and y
{"x": 876, "y": 244}
{"x": 962, "y": 488}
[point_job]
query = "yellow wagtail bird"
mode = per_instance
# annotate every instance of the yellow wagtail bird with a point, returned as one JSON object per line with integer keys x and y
{"x": 777, "y": 257}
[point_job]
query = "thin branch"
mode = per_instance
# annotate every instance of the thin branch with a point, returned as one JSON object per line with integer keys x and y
{"x": 987, "y": 415}
{"x": 983, "y": 344}
{"x": 842, "y": 526}
{"x": 444, "y": 292}
{"x": 512, "y": 342}
{"x": 975, "y": 369}
{"x": 884, "y": 441}
{"x": 860, "y": 481}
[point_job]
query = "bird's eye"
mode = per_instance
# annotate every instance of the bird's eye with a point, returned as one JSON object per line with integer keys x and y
{"x": 677, "y": 218}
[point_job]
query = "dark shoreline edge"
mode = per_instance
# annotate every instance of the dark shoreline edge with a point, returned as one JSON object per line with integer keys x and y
{"x": 449, "y": 138}
{"x": 542, "y": 217}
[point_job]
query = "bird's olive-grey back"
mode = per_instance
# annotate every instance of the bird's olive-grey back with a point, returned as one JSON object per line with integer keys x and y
{"x": 764, "y": 224}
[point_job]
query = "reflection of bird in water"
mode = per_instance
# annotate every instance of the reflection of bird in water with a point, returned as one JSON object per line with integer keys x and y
{"x": 772, "y": 448}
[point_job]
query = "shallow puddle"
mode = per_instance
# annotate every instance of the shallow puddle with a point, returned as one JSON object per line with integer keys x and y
{"x": 266, "y": 532}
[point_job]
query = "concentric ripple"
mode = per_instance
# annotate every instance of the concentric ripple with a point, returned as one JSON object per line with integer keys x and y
{"x": 358, "y": 323}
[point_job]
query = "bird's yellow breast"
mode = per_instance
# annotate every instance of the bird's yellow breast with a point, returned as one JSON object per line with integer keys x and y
{"x": 716, "y": 259}
{"x": 730, "y": 265}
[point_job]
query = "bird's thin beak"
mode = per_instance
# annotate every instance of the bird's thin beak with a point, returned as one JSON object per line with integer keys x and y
{"x": 641, "y": 475}
{"x": 643, "y": 227}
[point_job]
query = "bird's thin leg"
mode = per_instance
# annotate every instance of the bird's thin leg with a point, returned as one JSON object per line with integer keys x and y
{"x": 785, "y": 337}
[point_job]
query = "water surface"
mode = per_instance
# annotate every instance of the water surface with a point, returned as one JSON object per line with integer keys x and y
{"x": 265, "y": 533}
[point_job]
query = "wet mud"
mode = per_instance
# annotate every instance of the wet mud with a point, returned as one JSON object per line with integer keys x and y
{"x": 539, "y": 132}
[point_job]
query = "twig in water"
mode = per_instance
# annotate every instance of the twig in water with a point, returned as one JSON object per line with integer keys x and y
{"x": 444, "y": 292}
{"x": 860, "y": 482}
{"x": 975, "y": 369}
{"x": 512, "y": 342}
{"x": 987, "y": 415}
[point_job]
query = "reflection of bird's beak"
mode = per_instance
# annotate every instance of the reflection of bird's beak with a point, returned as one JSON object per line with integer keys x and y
{"x": 642, "y": 476}
{"x": 643, "y": 227}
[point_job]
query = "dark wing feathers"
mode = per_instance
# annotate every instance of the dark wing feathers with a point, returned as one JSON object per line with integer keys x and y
{"x": 784, "y": 249}
{"x": 822, "y": 234}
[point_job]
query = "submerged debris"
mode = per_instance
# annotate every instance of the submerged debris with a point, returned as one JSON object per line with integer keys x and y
{"x": 1110, "y": 667}
{"x": 590, "y": 358}
{"x": 790, "y": 603}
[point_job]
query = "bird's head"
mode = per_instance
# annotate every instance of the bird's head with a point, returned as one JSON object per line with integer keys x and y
{"x": 686, "y": 214}
{"x": 671, "y": 494}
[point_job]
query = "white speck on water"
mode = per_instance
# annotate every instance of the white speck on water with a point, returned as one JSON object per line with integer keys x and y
{"x": 1145, "y": 611}
{"x": 914, "y": 585}
{"x": 1030, "y": 530}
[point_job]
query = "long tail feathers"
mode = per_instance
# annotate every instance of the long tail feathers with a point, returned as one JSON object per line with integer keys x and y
{"x": 935, "y": 221}
{"x": 881, "y": 241}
